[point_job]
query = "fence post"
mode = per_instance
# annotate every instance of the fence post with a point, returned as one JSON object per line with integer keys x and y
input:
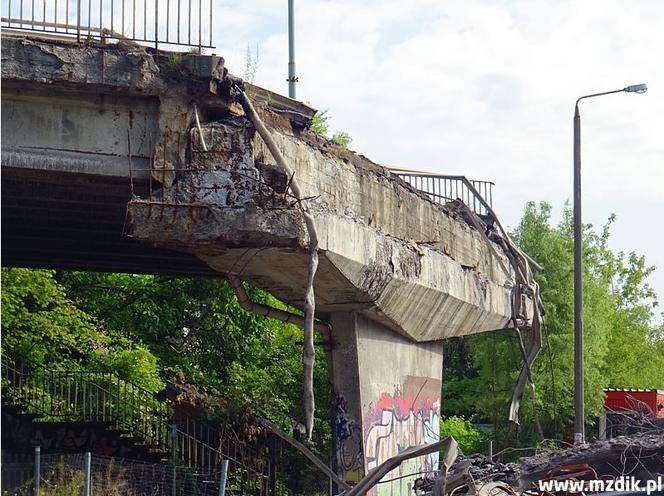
{"x": 37, "y": 469}
{"x": 174, "y": 439}
{"x": 88, "y": 474}
{"x": 222, "y": 478}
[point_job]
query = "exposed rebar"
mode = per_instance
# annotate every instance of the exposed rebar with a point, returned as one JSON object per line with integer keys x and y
{"x": 308, "y": 358}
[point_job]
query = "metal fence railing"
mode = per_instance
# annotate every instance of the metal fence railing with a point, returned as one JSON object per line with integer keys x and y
{"x": 62, "y": 395}
{"x": 187, "y": 23}
{"x": 445, "y": 188}
{"x": 92, "y": 474}
{"x": 53, "y": 395}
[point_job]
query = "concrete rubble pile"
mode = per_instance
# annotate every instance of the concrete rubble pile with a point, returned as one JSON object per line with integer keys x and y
{"x": 640, "y": 456}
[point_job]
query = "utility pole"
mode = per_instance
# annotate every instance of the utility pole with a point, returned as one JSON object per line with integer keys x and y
{"x": 292, "y": 78}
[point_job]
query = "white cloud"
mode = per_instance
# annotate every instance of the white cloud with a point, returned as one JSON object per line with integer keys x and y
{"x": 485, "y": 88}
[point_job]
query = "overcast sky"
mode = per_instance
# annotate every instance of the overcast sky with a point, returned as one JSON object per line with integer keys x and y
{"x": 484, "y": 88}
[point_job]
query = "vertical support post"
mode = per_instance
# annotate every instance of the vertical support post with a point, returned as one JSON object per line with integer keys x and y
{"x": 156, "y": 24}
{"x": 410, "y": 375}
{"x": 37, "y": 469}
{"x": 272, "y": 478}
{"x": 223, "y": 476}
{"x": 88, "y": 474}
{"x": 491, "y": 450}
{"x": 602, "y": 426}
{"x": 174, "y": 437}
{"x": 291, "y": 49}
{"x": 579, "y": 410}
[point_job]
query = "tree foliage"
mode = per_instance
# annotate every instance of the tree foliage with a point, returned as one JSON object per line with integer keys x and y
{"x": 471, "y": 440}
{"x": 621, "y": 347}
{"x": 151, "y": 329}
{"x": 43, "y": 324}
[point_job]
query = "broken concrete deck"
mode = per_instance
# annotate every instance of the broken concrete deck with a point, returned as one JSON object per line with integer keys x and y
{"x": 386, "y": 250}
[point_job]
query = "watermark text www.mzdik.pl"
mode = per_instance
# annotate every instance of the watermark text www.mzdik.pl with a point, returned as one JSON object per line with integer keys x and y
{"x": 619, "y": 484}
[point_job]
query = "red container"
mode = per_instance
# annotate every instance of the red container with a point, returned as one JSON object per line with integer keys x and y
{"x": 648, "y": 401}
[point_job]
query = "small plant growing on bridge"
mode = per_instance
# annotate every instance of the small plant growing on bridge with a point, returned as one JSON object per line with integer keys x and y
{"x": 321, "y": 127}
{"x": 174, "y": 61}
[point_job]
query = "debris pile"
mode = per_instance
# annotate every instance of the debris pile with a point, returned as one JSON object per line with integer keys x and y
{"x": 640, "y": 456}
{"x": 469, "y": 473}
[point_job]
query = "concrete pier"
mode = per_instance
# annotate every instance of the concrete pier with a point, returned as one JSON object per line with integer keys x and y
{"x": 388, "y": 397}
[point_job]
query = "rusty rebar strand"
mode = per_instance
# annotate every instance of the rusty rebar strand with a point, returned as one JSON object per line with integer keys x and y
{"x": 308, "y": 356}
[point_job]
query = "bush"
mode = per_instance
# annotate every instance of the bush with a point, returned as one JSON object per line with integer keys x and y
{"x": 470, "y": 439}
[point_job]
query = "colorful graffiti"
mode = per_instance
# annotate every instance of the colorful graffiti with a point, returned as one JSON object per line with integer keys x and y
{"x": 399, "y": 421}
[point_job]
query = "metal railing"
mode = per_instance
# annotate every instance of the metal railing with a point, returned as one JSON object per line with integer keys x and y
{"x": 187, "y": 23}
{"x": 196, "y": 449}
{"x": 446, "y": 188}
{"x": 61, "y": 395}
{"x": 103, "y": 397}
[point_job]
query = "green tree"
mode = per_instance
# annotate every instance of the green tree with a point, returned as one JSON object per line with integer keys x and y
{"x": 42, "y": 323}
{"x": 150, "y": 329}
{"x": 245, "y": 365}
{"x": 470, "y": 439}
{"x": 622, "y": 349}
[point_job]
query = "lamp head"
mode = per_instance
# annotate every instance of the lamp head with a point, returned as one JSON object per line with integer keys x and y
{"x": 636, "y": 88}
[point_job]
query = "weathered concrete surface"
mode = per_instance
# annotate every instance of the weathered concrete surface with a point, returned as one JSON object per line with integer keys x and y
{"x": 372, "y": 258}
{"x": 386, "y": 250}
{"x": 388, "y": 396}
{"x": 77, "y": 133}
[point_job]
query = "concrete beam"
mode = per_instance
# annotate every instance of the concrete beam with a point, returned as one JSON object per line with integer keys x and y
{"x": 372, "y": 226}
{"x": 60, "y": 130}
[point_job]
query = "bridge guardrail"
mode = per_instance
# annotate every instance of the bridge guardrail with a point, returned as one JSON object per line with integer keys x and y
{"x": 185, "y": 23}
{"x": 442, "y": 188}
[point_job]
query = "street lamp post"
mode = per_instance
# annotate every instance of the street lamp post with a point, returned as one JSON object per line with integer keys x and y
{"x": 579, "y": 415}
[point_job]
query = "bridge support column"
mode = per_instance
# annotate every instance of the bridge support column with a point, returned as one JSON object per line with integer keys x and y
{"x": 388, "y": 392}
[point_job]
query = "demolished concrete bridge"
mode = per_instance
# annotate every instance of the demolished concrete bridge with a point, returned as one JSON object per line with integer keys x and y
{"x": 94, "y": 132}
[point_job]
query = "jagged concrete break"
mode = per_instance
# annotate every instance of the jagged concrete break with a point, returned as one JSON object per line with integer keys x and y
{"x": 385, "y": 250}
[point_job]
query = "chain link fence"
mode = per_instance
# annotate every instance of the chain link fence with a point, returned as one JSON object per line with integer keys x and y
{"x": 85, "y": 474}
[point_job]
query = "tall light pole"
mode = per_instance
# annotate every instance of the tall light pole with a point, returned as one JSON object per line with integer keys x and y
{"x": 579, "y": 414}
{"x": 292, "y": 78}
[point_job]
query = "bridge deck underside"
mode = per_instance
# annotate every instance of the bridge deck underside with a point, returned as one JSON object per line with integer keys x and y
{"x": 64, "y": 221}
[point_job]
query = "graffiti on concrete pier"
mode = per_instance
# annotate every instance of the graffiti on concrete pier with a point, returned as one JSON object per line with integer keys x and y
{"x": 399, "y": 421}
